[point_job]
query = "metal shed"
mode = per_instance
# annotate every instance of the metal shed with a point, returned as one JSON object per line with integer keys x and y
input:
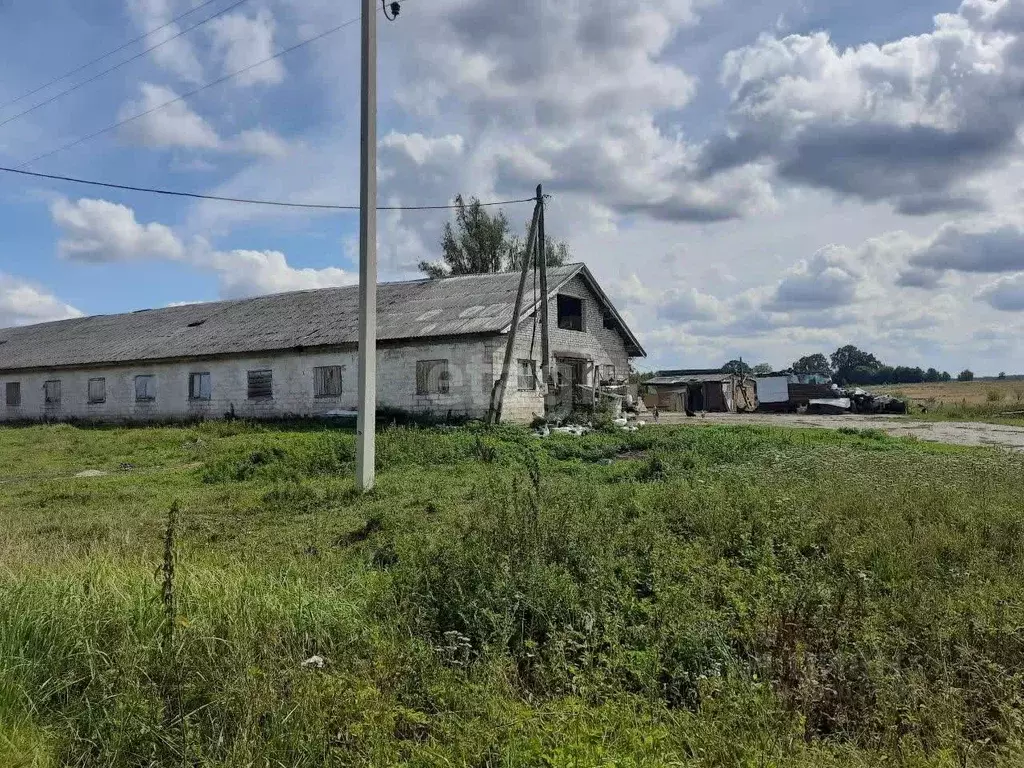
{"x": 700, "y": 390}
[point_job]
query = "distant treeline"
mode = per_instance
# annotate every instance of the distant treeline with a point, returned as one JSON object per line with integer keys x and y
{"x": 850, "y": 365}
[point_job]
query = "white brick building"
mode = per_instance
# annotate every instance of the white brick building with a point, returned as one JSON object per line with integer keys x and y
{"x": 440, "y": 348}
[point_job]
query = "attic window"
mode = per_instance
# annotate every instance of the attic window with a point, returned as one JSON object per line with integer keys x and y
{"x": 570, "y": 313}
{"x": 609, "y": 322}
{"x": 196, "y": 323}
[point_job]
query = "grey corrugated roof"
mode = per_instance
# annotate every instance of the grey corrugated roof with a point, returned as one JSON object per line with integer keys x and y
{"x": 690, "y": 372}
{"x": 323, "y": 317}
{"x": 674, "y": 380}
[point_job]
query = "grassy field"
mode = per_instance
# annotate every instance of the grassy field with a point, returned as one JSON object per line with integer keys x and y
{"x": 697, "y": 595}
{"x": 964, "y": 400}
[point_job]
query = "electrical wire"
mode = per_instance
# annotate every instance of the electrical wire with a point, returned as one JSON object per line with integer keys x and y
{"x": 191, "y": 93}
{"x": 98, "y": 59}
{"x": 249, "y": 201}
{"x": 120, "y": 64}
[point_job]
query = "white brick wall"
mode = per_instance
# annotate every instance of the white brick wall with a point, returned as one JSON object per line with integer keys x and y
{"x": 603, "y": 346}
{"x": 293, "y": 393}
{"x": 473, "y": 366}
{"x": 595, "y": 342}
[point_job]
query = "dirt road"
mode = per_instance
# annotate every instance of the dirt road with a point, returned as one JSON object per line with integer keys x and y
{"x": 953, "y": 432}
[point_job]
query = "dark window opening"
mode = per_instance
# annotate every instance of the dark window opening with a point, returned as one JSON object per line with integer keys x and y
{"x": 97, "y": 391}
{"x": 570, "y": 313}
{"x": 51, "y": 392}
{"x": 432, "y": 377}
{"x": 261, "y": 385}
{"x": 145, "y": 389}
{"x": 327, "y": 381}
{"x": 609, "y": 322}
{"x": 13, "y": 393}
{"x": 527, "y": 375}
{"x": 199, "y": 386}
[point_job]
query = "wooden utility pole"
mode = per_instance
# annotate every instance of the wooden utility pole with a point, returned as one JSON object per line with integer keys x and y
{"x": 545, "y": 331}
{"x": 498, "y": 392}
{"x": 366, "y": 418}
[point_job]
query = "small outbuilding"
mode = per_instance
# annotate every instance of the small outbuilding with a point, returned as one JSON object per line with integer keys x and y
{"x": 786, "y": 391}
{"x": 701, "y": 390}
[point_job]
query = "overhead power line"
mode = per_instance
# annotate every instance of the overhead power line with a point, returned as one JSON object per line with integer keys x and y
{"x": 191, "y": 93}
{"x": 120, "y": 64}
{"x": 249, "y": 201}
{"x": 108, "y": 54}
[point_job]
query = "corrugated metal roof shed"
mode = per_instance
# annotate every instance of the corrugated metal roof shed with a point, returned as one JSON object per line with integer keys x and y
{"x": 692, "y": 372}
{"x": 675, "y": 380}
{"x": 418, "y": 309}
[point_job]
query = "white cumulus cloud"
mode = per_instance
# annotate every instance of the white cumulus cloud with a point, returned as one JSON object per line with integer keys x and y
{"x": 912, "y": 121}
{"x": 827, "y": 280}
{"x": 99, "y": 231}
{"x": 22, "y": 303}
{"x": 239, "y": 41}
{"x": 177, "y": 56}
{"x": 177, "y": 125}
{"x": 1005, "y": 294}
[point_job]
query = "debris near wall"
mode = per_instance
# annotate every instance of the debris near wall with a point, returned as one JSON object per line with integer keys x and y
{"x": 582, "y": 421}
{"x": 854, "y": 401}
{"x": 868, "y": 402}
{"x": 829, "y": 406}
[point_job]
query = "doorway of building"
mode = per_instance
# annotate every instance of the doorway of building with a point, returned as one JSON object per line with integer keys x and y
{"x": 571, "y": 372}
{"x": 695, "y": 397}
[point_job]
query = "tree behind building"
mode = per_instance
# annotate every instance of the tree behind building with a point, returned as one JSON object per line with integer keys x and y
{"x": 816, "y": 363}
{"x": 479, "y": 242}
{"x": 737, "y": 367}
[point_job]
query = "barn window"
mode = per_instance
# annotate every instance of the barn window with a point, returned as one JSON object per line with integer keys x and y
{"x": 570, "y": 313}
{"x": 13, "y": 393}
{"x": 432, "y": 377}
{"x": 527, "y": 375}
{"x": 145, "y": 389}
{"x": 609, "y": 322}
{"x": 327, "y": 381}
{"x": 261, "y": 385}
{"x": 51, "y": 392}
{"x": 199, "y": 386}
{"x": 97, "y": 391}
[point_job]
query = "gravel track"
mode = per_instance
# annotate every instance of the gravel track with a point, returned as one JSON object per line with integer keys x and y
{"x": 952, "y": 432}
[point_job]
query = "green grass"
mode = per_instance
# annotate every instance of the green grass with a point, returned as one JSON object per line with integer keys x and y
{"x": 989, "y": 412}
{"x": 695, "y": 595}
{"x": 983, "y": 412}
{"x": 989, "y": 402}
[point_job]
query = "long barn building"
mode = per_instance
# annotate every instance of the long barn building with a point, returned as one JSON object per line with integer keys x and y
{"x": 440, "y": 348}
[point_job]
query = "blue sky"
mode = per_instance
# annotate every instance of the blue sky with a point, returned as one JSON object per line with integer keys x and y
{"x": 765, "y": 179}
